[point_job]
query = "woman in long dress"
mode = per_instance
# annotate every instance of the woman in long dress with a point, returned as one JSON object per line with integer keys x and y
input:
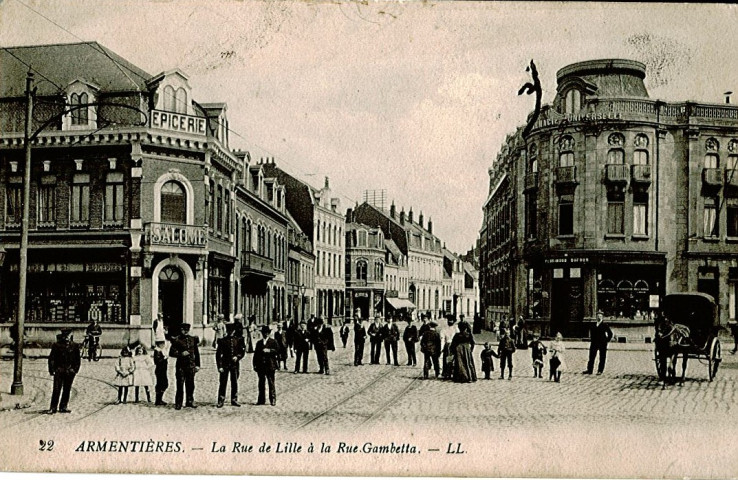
{"x": 462, "y": 346}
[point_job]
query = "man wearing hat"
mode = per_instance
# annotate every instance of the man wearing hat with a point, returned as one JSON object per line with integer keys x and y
{"x": 323, "y": 341}
{"x": 359, "y": 341}
{"x": 430, "y": 346}
{"x": 184, "y": 349}
{"x": 302, "y": 347}
{"x": 231, "y": 350}
{"x": 64, "y": 363}
{"x": 375, "y": 339}
{"x": 265, "y": 364}
{"x": 391, "y": 334}
{"x": 600, "y": 334}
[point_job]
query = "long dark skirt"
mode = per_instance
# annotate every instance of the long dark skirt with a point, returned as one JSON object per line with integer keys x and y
{"x": 464, "y": 369}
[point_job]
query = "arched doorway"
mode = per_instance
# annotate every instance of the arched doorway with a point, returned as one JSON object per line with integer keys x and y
{"x": 171, "y": 297}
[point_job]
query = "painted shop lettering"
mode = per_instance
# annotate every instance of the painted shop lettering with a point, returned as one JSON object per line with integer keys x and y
{"x": 178, "y": 122}
{"x": 177, "y": 235}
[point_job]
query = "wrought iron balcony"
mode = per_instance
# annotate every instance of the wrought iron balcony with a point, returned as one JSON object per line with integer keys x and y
{"x": 712, "y": 177}
{"x": 641, "y": 173}
{"x": 566, "y": 175}
{"x": 731, "y": 178}
{"x": 617, "y": 173}
{"x": 253, "y": 264}
{"x": 531, "y": 182}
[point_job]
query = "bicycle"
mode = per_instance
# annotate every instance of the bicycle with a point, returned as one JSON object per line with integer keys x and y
{"x": 91, "y": 348}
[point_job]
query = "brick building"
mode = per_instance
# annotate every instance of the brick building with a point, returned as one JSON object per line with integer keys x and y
{"x": 625, "y": 199}
{"x": 365, "y": 269}
{"x": 136, "y": 200}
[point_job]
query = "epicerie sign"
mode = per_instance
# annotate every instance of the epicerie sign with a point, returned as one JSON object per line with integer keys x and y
{"x": 178, "y": 122}
{"x": 177, "y": 235}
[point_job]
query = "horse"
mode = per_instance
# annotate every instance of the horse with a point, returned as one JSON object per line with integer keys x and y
{"x": 672, "y": 340}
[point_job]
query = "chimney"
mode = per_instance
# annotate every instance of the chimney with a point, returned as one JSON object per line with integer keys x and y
{"x": 393, "y": 211}
{"x": 420, "y": 219}
{"x": 327, "y": 184}
{"x": 402, "y": 216}
{"x": 349, "y": 215}
{"x": 410, "y": 215}
{"x": 430, "y": 225}
{"x": 727, "y": 96}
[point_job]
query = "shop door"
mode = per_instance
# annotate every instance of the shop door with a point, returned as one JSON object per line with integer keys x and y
{"x": 567, "y": 304}
{"x": 171, "y": 298}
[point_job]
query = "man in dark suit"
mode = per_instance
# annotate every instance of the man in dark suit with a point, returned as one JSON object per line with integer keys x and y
{"x": 410, "y": 337}
{"x": 600, "y": 335}
{"x": 230, "y": 351}
{"x": 430, "y": 345}
{"x": 375, "y": 338}
{"x": 359, "y": 341}
{"x": 302, "y": 347}
{"x": 323, "y": 342}
{"x": 391, "y": 335}
{"x": 64, "y": 363}
{"x": 266, "y": 358}
{"x": 185, "y": 349}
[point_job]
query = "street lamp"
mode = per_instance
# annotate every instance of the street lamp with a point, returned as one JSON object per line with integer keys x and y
{"x": 302, "y": 301}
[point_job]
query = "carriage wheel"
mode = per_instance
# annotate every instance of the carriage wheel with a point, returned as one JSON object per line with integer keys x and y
{"x": 660, "y": 365}
{"x": 716, "y": 356}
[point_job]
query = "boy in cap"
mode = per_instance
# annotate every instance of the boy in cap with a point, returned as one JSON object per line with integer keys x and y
{"x": 64, "y": 363}
{"x": 505, "y": 350}
{"x": 160, "y": 371}
{"x": 488, "y": 365}
{"x": 265, "y": 364}
{"x": 185, "y": 349}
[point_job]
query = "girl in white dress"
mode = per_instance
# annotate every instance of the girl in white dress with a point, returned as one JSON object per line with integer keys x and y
{"x": 556, "y": 358}
{"x": 143, "y": 372}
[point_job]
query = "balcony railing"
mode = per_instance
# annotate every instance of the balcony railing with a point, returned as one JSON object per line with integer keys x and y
{"x": 566, "y": 175}
{"x": 617, "y": 173}
{"x": 731, "y": 178}
{"x": 253, "y": 264}
{"x": 642, "y": 173}
{"x": 531, "y": 182}
{"x": 712, "y": 177}
{"x": 175, "y": 235}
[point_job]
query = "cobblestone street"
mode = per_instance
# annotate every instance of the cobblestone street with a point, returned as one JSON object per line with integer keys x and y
{"x": 570, "y": 428}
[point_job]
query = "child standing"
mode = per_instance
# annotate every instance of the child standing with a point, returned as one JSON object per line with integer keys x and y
{"x": 124, "y": 374}
{"x": 537, "y": 352}
{"x": 488, "y": 364}
{"x": 143, "y": 367}
{"x": 160, "y": 370}
{"x": 556, "y": 362}
{"x": 505, "y": 351}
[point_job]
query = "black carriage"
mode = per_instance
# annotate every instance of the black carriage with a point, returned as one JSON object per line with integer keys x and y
{"x": 688, "y": 327}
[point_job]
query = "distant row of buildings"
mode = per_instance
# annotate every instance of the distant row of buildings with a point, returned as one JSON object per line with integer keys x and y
{"x": 139, "y": 209}
{"x": 612, "y": 201}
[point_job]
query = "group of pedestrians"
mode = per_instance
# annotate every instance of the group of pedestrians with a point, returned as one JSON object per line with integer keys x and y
{"x": 448, "y": 352}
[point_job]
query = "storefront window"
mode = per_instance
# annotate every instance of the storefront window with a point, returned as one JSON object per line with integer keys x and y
{"x": 625, "y": 292}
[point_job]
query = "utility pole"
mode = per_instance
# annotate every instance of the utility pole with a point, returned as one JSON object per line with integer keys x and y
{"x": 17, "y": 386}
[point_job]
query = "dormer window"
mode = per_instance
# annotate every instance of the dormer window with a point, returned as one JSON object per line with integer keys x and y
{"x": 572, "y": 101}
{"x": 80, "y": 114}
{"x": 175, "y": 100}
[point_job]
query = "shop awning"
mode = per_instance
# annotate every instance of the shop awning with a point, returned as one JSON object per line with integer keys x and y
{"x": 398, "y": 303}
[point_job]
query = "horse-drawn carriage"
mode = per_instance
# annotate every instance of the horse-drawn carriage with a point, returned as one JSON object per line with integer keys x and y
{"x": 688, "y": 327}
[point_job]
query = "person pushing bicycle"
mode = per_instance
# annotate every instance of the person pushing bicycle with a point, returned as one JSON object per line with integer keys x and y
{"x": 92, "y": 338}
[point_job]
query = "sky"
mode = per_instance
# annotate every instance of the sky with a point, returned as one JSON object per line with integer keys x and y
{"x": 414, "y": 98}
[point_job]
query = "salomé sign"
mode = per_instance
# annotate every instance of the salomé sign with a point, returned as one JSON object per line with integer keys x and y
{"x": 178, "y": 122}
{"x": 176, "y": 235}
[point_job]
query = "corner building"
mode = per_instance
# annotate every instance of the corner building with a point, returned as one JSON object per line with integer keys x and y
{"x": 626, "y": 199}
{"x": 135, "y": 196}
